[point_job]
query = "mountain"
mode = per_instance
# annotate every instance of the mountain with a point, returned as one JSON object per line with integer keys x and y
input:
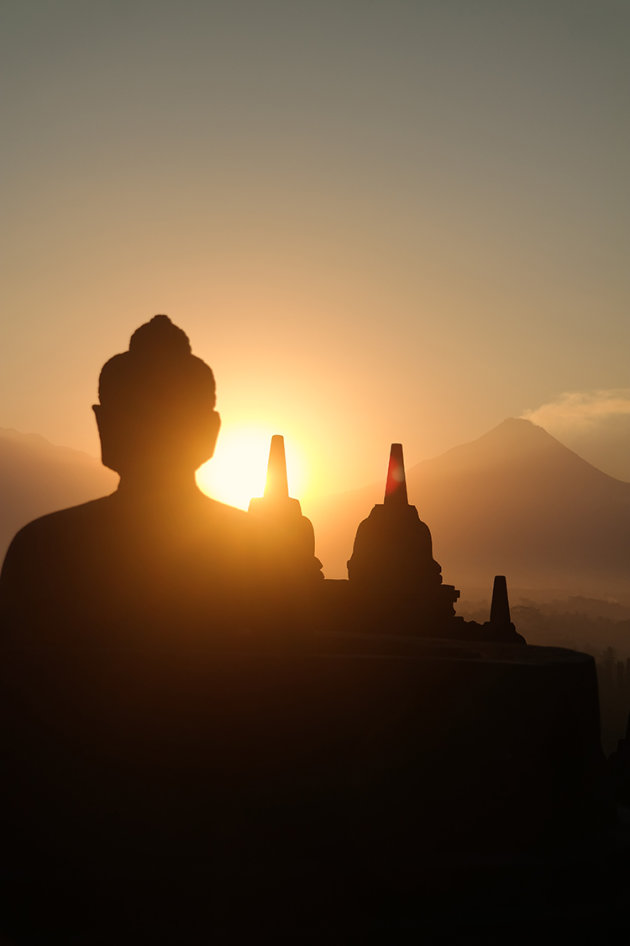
{"x": 514, "y": 502}
{"x": 37, "y": 477}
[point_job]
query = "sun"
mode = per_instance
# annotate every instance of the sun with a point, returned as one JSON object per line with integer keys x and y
{"x": 238, "y": 470}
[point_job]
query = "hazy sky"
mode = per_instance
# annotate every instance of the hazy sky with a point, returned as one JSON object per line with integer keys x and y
{"x": 376, "y": 219}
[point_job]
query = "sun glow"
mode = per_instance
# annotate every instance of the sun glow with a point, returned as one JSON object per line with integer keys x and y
{"x": 238, "y": 470}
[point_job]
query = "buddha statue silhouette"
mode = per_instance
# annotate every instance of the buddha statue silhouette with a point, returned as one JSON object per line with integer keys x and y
{"x": 113, "y": 614}
{"x": 157, "y": 552}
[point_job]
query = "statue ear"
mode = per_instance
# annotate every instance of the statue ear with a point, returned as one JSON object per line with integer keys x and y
{"x": 214, "y": 426}
{"x": 98, "y": 413}
{"x": 107, "y": 444}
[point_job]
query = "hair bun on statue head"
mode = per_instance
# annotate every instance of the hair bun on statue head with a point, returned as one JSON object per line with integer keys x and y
{"x": 159, "y": 338}
{"x": 160, "y": 364}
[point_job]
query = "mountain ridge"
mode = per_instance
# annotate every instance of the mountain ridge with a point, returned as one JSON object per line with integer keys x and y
{"x": 522, "y": 436}
{"x": 514, "y": 501}
{"x": 37, "y": 477}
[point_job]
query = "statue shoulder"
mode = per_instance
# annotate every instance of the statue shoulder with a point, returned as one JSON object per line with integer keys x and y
{"x": 55, "y": 526}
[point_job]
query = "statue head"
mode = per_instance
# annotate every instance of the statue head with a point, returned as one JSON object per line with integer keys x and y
{"x": 156, "y": 415}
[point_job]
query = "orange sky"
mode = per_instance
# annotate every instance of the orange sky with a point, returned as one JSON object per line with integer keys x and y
{"x": 376, "y": 222}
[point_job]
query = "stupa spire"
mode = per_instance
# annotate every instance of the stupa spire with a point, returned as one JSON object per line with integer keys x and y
{"x": 396, "y": 485}
{"x": 500, "y": 607}
{"x": 277, "y": 484}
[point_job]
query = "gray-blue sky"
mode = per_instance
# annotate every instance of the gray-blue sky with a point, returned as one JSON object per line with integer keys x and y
{"x": 377, "y": 220}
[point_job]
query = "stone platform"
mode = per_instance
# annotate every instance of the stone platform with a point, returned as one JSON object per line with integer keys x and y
{"x": 321, "y": 769}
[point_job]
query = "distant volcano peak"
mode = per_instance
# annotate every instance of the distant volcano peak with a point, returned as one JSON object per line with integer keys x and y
{"x": 514, "y": 440}
{"x": 518, "y": 428}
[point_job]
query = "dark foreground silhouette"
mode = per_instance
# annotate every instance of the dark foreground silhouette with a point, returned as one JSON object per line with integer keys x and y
{"x": 206, "y": 742}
